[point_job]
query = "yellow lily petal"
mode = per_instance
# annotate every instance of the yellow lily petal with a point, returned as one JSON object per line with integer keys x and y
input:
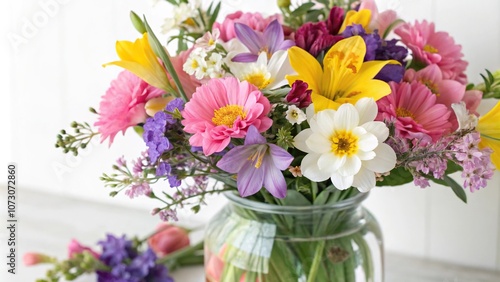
{"x": 306, "y": 66}
{"x": 361, "y": 17}
{"x": 346, "y": 56}
{"x": 157, "y": 104}
{"x": 138, "y": 58}
{"x": 489, "y": 128}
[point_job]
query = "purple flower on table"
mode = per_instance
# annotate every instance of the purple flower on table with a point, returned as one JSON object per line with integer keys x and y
{"x": 115, "y": 250}
{"x": 257, "y": 164}
{"x": 270, "y": 41}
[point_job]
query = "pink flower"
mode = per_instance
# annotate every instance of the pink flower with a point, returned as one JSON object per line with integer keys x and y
{"x": 222, "y": 109}
{"x": 30, "y": 259}
{"x": 472, "y": 99}
{"x": 254, "y": 20}
{"x": 447, "y": 91}
{"x": 74, "y": 247}
{"x": 413, "y": 109}
{"x": 379, "y": 21}
{"x": 168, "y": 239}
{"x": 123, "y": 104}
{"x": 431, "y": 47}
{"x": 189, "y": 82}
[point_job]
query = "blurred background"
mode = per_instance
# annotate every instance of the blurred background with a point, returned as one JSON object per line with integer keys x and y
{"x": 51, "y": 72}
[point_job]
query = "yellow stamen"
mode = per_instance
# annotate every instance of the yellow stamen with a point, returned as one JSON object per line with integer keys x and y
{"x": 402, "y": 112}
{"x": 428, "y": 48}
{"x": 344, "y": 143}
{"x": 227, "y": 115}
{"x": 431, "y": 85}
{"x": 258, "y": 79}
{"x": 258, "y": 156}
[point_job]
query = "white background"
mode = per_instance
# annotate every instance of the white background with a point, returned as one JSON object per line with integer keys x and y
{"x": 51, "y": 72}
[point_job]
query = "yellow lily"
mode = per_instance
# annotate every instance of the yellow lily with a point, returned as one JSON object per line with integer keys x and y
{"x": 489, "y": 128}
{"x": 139, "y": 58}
{"x": 361, "y": 17}
{"x": 344, "y": 78}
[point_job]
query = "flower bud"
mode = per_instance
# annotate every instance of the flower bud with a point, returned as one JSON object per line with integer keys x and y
{"x": 168, "y": 239}
{"x": 74, "y": 247}
{"x": 283, "y": 3}
{"x": 35, "y": 258}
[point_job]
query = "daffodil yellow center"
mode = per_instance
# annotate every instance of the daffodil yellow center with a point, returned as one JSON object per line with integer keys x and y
{"x": 431, "y": 85}
{"x": 190, "y": 22}
{"x": 258, "y": 79}
{"x": 227, "y": 115}
{"x": 428, "y": 48}
{"x": 402, "y": 112}
{"x": 344, "y": 143}
{"x": 194, "y": 64}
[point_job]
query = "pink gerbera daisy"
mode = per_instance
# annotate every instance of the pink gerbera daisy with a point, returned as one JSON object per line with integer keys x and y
{"x": 413, "y": 109}
{"x": 123, "y": 104}
{"x": 223, "y": 109}
{"x": 431, "y": 47}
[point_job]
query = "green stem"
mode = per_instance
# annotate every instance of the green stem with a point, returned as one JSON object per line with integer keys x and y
{"x": 316, "y": 262}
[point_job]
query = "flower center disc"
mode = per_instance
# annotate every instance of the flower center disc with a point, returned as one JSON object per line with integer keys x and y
{"x": 258, "y": 79}
{"x": 344, "y": 143}
{"x": 227, "y": 115}
{"x": 428, "y": 48}
{"x": 402, "y": 112}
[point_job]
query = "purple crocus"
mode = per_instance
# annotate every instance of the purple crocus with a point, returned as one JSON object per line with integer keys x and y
{"x": 270, "y": 41}
{"x": 257, "y": 164}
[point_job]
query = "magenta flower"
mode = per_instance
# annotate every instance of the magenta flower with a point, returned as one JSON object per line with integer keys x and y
{"x": 431, "y": 47}
{"x": 257, "y": 164}
{"x": 413, "y": 109}
{"x": 269, "y": 41}
{"x": 222, "y": 109}
{"x": 315, "y": 37}
{"x": 123, "y": 104}
{"x": 299, "y": 95}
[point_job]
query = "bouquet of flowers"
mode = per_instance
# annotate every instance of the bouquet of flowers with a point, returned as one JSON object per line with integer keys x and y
{"x": 322, "y": 102}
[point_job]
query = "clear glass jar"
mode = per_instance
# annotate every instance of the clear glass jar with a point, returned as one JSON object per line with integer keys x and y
{"x": 254, "y": 241}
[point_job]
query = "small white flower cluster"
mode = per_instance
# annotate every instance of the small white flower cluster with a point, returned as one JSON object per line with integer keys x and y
{"x": 203, "y": 61}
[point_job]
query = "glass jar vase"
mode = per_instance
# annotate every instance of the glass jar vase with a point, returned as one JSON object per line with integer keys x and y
{"x": 250, "y": 241}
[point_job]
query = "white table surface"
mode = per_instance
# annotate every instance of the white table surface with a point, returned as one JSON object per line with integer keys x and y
{"x": 47, "y": 223}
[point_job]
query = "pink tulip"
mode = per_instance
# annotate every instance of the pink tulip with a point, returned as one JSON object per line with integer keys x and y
{"x": 168, "y": 239}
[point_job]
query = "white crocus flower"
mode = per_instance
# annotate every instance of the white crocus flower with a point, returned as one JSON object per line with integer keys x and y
{"x": 346, "y": 146}
{"x": 183, "y": 14}
{"x": 294, "y": 115}
{"x": 264, "y": 73}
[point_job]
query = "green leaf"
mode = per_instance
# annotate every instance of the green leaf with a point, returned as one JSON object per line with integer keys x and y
{"x": 302, "y": 9}
{"x": 295, "y": 198}
{"x": 391, "y": 27}
{"x": 322, "y": 198}
{"x": 137, "y": 22}
{"x": 160, "y": 51}
{"x": 139, "y": 130}
{"x": 213, "y": 17}
{"x": 456, "y": 188}
{"x": 398, "y": 176}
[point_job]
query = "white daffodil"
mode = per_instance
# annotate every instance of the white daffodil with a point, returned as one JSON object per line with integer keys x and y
{"x": 294, "y": 115}
{"x": 264, "y": 73}
{"x": 346, "y": 146}
{"x": 465, "y": 119}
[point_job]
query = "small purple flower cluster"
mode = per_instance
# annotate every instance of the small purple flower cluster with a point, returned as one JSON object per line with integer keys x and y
{"x": 138, "y": 185}
{"x": 156, "y": 127}
{"x": 476, "y": 163}
{"x": 461, "y": 148}
{"x": 127, "y": 264}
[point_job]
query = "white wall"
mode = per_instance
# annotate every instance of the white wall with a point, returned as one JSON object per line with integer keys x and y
{"x": 52, "y": 76}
